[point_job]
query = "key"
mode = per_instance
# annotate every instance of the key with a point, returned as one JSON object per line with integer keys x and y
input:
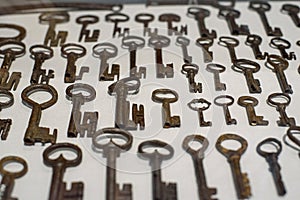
{"x": 5, "y": 124}
{"x": 40, "y": 53}
{"x": 10, "y": 50}
{"x": 254, "y": 41}
{"x": 277, "y": 64}
{"x": 199, "y": 14}
{"x": 230, "y": 15}
{"x": 200, "y": 105}
{"x": 261, "y": 8}
{"x": 35, "y": 133}
{"x": 122, "y": 88}
{"x": 204, "y": 192}
{"x": 158, "y": 42}
{"x": 191, "y": 70}
{"x": 225, "y": 103}
{"x": 85, "y": 33}
{"x": 19, "y": 37}
{"x": 293, "y": 141}
{"x": 230, "y": 43}
{"x": 133, "y": 43}
{"x": 272, "y": 159}
{"x": 216, "y": 69}
{"x": 241, "y": 180}
{"x": 160, "y": 190}
{"x": 116, "y": 18}
{"x": 281, "y": 101}
{"x": 105, "y": 51}
{"x": 111, "y": 151}
{"x": 205, "y": 43}
{"x": 53, "y": 18}
{"x": 170, "y": 18}
{"x": 183, "y": 42}
{"x": 8, "y": 177}
{"x": 79, "y": 94}
{"x": 248, "y": 67}
{"x": 163, "y": 96}
{"x": 298, "y": 43}
{"x": 292, "y": 11}
{"x": 145, "y": 19}
{"x": 249, "y": 103}
{"x": 58, "y": 188}
{"x": 282, "y": 44}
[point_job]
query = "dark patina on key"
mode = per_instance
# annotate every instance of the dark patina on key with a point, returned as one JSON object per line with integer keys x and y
{"x": 116, "y": 18}
{"x": 19, "y": 37}
{"x": 216, "y": 69}
{"x": 200, "y": 105}
{"x": 254, "y": 41}
{"x": 170, "y": 18}
{"x": 190, "y": 71}
{"x": 85, "y": 33}
{"x": 5, "y": 124}
{"x": 205, "y": 43}
{"x": 282, "y": 44}
{"x": 293, "y": 11}
{"x": 145, "y": 19}
{"x": 225, "y": 104}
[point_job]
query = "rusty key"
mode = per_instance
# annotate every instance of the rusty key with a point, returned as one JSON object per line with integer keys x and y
{"x": 116, "y": 18}
{"x": 85, "y": 33}
{"x": 254, "y": 41}
{"x": 191, "y": 70}
{"x": 293, "y": 11}
{"x": 205, "y": 43}
{"x": 200, "y": 105}
{"x": 145, "y": 19}
{"x": 216, "y": 69}
{"x": 5, "y": 124}
{"x": 282, "y": 44}
{"x": 225, "y": 104}
{"x": 230, "y": 43}
{"x": 183, "y": 42}
{"x": 170, "y": 18}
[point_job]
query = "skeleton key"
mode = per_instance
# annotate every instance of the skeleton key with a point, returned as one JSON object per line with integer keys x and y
{"x": 52, "y": 18}
{"x": 282, "y": 44}
{"x": 254, "y": 41}
{"x": 111, "y": 151}
{"x": 158, "y": 42}
{"x": 261, "y": 7}
{"x": 225, "y": 104}
{"x": 183, "y": 42}
{"x": 272, "y": 159}
{"x": 199, "y": 14}
{"x": 122, "y": 88}
{"x": 205, "y": 43}
{"x": 292, "y": 11}
{"x": 34, "y": 133}
{"x": 5, "y": 123}
{"x": 116, "y": 18}
{"x": 8, "y": 177}
{"x": 230, "y": 43}
{"x": 133, "y": 43}
{"x": 190, "y": 70}
{"x": 145, "y": 19}
{"x": 21, "y": 30}
{"x": 58, "y": 188}
{"x": 89, "y": 122}
{"x": 216, "y": 69}
{"x": 160, "y": 190}
{"x": 200, "y": 105}
{"x": 105, "y": 51}
{"x": 85, "y": 20}
{"x": 204, "y": 192}
{"x": 281, "y": 101}
{"x": 170, "y": 18}
{"x": 249, "y": 103}
{"x": 277, "y": 64}
{"x": 158, "y": 97}
{"x": 241, "y": 181}
{"x": 291, "y": 132}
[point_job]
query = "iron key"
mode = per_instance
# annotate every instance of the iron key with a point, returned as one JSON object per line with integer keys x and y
{"x": 230, "y": 43}
{"x": 183, "y": 42}
{"x": 216, "y": 69}
{"x": 145, "y": 19}
{"x": 191, "y": 70}
{"x": 170, "y": 18}
{"x": 116, "y": 18}
{"x": 200, "y": 105}
{"x": 292, "y": 11}
{"x": 225, "y": 104}
{"x": 254, "y": 41}
{"x": 85, "y": 33}
{"x": 291, "y": 132}
{"x": 5, "y": 124}
{"x": 282, "y": 44}
{"x": 205, "y": 43}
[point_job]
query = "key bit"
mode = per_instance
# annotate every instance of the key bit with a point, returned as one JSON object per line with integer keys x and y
{"x": 183, "y": 42}
{"x": 230, "y": 43}
{"x": 5, "y": 124}
{"x": 19, "y": 37}
{"x": 145, "y": 19}
{"x": 254, "y": 41}
{"x": 225, "y": 104}
{"x": 85, "y": 33}
{"x": 282, "y": 44}
{"x": 191, "y": 70}
{"x": 116, "y": 18}
{"x": 200, "y": 105}
{"x": 293, "y": 11}
{"x": 205, "y": 43}
{"x": 170, "y": 18}
{"x": 216, "y": 69}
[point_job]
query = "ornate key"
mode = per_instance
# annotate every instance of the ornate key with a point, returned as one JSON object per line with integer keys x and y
{"x": 292, "y": 11}
{"x": 191, "y": 70}
{"x": 249, "y": 103}
{"x": 5, "y": 123}
{"x": 272, "y": 159}
{"x": 183, "y": 42}
{"x": 111, "y": 151}
{"x": 58, "y": 188}
{"x": 21, "y": 30}
{"x": 145, "y": 19}
{"x": 205, "y": 43}
{"x": 85, "y": 33}
{"x": 200, "y": 105}
{"x": 105, "y": 51}
{"x": 230, "y": 43}
{"x": 8, "y": 177}
{"x": 254, "y": 41}
{"x": 34, "y": 133}
{"x": 170, "y": 18}
{"x": 241, "y": 181}
{"x": 216, "y": 69}
{"x": 80, "y": 93}
{"x": 282, "y": 44}
{"x": 116, "y": 18}
{"x": 225, "y": 104}
{"x": 160, "y": 190}
{"x": 158, "y": 97}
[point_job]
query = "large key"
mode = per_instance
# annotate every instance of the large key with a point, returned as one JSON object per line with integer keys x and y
{"x": 160, "y": 190}
{"x": 111, "y": 150}
{"x": 205, "y": 43}
{"x": 225, "y": 104}
{"x": 85, "y": 33}
{"x": 116, "y": 18}
{"x": 58, "y": 188}
{"x": 200, "y": 105}
{"x": 190, "y": 70}
{"x": 292, "y": 10}
{"x": 230, "y": 43}
{"x": 19, "y": 37}
{"x": 5, "y": 124}
{"x": 34, "y": 133}
{"x": 170, "y": 18}
{"x": 272, "y": 159}
{"x": 254, "y": 41}
{"x": 204, "y": 192}
{"x": 183, "y": 42}
{"x": 216, "y": 69}
{"x": 241, "y": 181}
{"x": 80, "y": 93}
{"x": 282, "y": 44}
{"x": 8, "y": 177}
{"x": 145, "y": 19}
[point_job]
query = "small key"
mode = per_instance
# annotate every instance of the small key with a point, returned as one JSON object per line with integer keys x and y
{"x": 58, "y": 188}
{"x": 158, "y": 42}
{"x": 116, "y": 18}
{"x": 5, "y": 124}
{"x": 281, "y": 101}
{"x": 254, "y": 41}
{"x": 191, "y": 70}
{"x": 162, "y": 96}
{"x": 53, "y": 18}
{"x": 293, "y": 141}
{"x": 160, "y": 190}
{"x": 85, "y": 33}
{"x": 216, "y": 69}
{"x": 282, "y": 44}
{"x": 272, "y": 159}
{"x": 205, "y": 43}
{"x": 170, "y": 18}
{"x": 277, "y": 64}
{"x": 133, "y": 43}
{"x": 145, "y": 19}
{"x": 8, "y": 177}
{"x": 34, "y": 133}
{"x": 249, "y": 103}
{"x": 19, "y": 37}
{"x": 200, "y": 105}
{"x": 105, "y": 51}
{"x": 225, "y": 104}
{"x": 230, "y": 43}
{"x": 183, "y": 42}
{"x": 204, "y": 192}
{"x": 261, "y": 7}
{"x": 79, "y": 94}
{"x": 292, "y": 11}
{"x": 111, "y": 151}
{"x": 241, "y": 180}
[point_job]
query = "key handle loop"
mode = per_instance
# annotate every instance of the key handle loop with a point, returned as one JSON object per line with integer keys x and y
{"x": 56, "y": 17}
{"x": 144, "y": 17}
{"x": 196, "y": 12}
{"x": 195, "y": 104}
{"x": 204, "y": 42}
{"x": 253, "y": 40}
{"x": 228, "y": 152}
{"x": 182, "y": 41}
{"x": 278, "y": 43}
{"x": 271, "y": 141}
{"x": 159, "y": 41}
{"x": 157, "y": 144}
{"x": 87, "y": 19}
{"x": 129, "y": 85}
{"x": 41, "y": 51}
{"x": 241, "y": 65}
{"x": 213, "y": 67}
{"x": 116, "y": 17}
{"x": 298, "y": 42}
{"x": 290, "y": 8}
{"x": 6, "y": 94}
{"x": 76, "y": 91}
{"x": 13, "y": 47}
{"x": 224, "y": 13}
{"x": 73, "y": 49}
{"x": 276, "y": 62}
{"x": 227, "y": 41}
{"x": 282, "y": 96}
{"x": 21, "y": 32}
{"x": 156, "y": 96}
{"x": 132, "y": 42}
{"x": 247, "y": 100}
{"x": 291, "y": 132}
{"x": 195, "y": 138}
{"x": 189, "y": 67}
{"x": 13, "y": 159}
{"x": 230, "y": 98}
{"x": 169, "y": 17}
{"x": 259, "y": 6}
{"x": 105, "y": 49}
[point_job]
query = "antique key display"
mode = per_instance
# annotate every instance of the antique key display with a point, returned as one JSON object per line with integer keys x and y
{"x": 85, "y": 33}
{"x": 5, "y": 124}
{"x": 200, "y": 105}
{"x": 19, "y": 37}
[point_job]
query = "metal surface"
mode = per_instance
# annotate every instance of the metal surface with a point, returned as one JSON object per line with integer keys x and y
{"x": 85, "y": 33}
{"x": 216, "y": 69}
{"x": 225, "y": 105}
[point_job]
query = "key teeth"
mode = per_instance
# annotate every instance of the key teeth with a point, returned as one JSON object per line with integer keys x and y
{"x": 76, "y": 191}
{"x": 138, "y": 116}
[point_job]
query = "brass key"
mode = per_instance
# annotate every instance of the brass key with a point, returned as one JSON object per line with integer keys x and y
{"x": 200, "y": 105}
{"x": 225, "y": 104}
{"x": 191, "y": 70}
{"x": 282, "y": 44}
{"x": 85, "y": 33}
{"x": 5, "y": 124}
